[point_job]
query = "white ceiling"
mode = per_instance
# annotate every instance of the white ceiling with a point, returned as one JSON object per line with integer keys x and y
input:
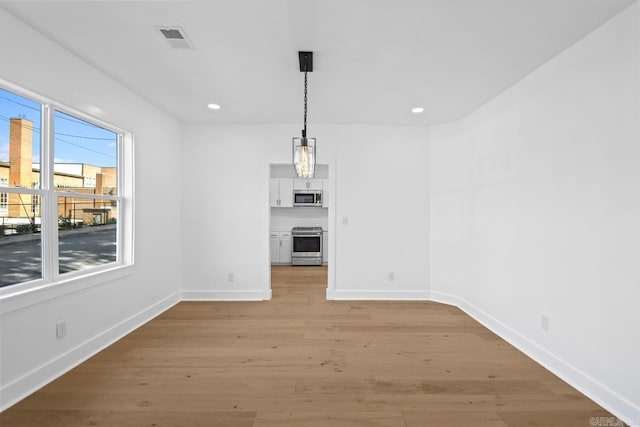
{"x": 373, "y": 59}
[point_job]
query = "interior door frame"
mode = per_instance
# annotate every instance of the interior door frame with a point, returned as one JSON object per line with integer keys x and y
{"x": 331, "y": 222}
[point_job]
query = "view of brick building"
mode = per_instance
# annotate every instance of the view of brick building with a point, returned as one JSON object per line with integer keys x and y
{"x": 81, "y": 178}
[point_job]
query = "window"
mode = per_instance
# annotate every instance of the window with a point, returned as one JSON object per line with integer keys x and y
{"x": 4, "y": 199}
{"x": 88, "y": 166}
{"x": 35, "y": 205}
{"x": 62, "y": 193}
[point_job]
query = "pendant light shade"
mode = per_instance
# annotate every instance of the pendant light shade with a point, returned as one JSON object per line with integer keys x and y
{"x": 304, "y": 149}
{"x": 304, "y": 157}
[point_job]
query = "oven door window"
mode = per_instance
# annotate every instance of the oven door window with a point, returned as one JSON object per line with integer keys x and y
{"x": 306, "y": 244}
{"x": 304, "y": 198}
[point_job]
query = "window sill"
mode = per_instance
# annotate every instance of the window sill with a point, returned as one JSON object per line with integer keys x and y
{"x": 22, "y": 298}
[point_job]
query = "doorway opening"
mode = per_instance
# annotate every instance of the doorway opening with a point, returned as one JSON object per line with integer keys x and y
{"x": 301, "y": 218}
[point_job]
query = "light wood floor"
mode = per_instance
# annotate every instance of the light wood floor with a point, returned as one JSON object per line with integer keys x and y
{"x": 299, "y": 360}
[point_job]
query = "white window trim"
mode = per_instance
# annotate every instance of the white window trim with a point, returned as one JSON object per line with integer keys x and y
{"x": 4, "y": 210}
{"x": 51, "y": 280}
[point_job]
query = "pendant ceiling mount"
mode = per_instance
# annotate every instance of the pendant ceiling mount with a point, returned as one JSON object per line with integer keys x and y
{"x": 304, "y": 149}
{"x": 306, "y": 61}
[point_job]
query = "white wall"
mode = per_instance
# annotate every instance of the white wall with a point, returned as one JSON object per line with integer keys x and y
{"x": 381, "y": 179}
{"x": 536, "y": 210}
{"x": 284, "y": 219}
{"x": 30, "y": 355}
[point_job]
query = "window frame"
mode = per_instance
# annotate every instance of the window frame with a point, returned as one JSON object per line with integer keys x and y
{"x": 4, "y": 198}
{"x": 48, "y": 201}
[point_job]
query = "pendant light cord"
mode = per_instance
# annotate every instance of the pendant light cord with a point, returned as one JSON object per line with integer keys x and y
{"x": 304, "y": 132}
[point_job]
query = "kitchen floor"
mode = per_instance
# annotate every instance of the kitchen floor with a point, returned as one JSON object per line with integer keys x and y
{"x": 299, "y": 360}
{"x": 291, "y": 283}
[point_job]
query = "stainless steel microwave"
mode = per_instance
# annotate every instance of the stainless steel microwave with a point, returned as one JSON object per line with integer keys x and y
{"x": 307, "y": 197}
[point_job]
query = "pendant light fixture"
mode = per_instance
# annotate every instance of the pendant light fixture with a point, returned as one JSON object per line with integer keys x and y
{"x": 304, "y": 149}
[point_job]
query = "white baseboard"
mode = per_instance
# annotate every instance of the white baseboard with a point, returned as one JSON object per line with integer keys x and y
{"x": 215, "y": 295}
{"x": 396, "y": 295}
{"x": 444, "y": 298}
{"x": 621, "y": 407}
{"x": 11, "y": 393}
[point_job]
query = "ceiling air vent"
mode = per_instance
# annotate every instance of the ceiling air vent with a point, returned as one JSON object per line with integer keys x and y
{"x": 176, "y": 37}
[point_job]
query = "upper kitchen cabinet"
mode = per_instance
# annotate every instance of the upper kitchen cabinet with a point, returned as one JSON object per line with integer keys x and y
{"x": 325, "y": 193}
{"x": 307, "y": 184}
{"x": 281, "y": 192}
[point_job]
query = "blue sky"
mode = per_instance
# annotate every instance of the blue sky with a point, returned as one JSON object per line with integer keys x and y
{"x": 76, "y": 141}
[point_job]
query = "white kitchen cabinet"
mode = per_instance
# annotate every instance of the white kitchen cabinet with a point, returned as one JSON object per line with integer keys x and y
{"x": 285, "y": 247}
{"x": 286, "y": 192}
{"x": 274, "y": 247}
{"x": 325, "y": 247}
{"x": 274, "y": 192}
{"x": 325, "y": 193}
{"x": 280, "y": 247}
{"x": 281, "y": 192}
{"x": 307, "y": 184}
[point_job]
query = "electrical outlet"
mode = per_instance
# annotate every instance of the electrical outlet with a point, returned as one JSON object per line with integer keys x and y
{"x": 230, "y": 277}
{"x": 544, "y": 322}
{"x": 392, "y": 276}
{"x": 61, "y": 329}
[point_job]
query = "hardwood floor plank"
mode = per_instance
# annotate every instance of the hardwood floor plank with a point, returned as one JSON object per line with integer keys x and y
{"x": 451, "y": 419}
{"x": 568, "y": 418}
{"x": 299, "y": 360}
{"x": 330, "y": 418}
{"x": 130, "y": 419}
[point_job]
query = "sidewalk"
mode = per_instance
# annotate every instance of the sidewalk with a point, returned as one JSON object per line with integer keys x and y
{"x": 10, "y": 240}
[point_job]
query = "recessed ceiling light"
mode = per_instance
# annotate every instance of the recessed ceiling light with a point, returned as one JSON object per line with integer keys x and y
{"x": 213, "y": 106}
{"x": 417, "y": 110}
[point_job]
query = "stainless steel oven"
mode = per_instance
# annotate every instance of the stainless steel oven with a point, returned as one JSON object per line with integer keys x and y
{"x": 306, "y": 248}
